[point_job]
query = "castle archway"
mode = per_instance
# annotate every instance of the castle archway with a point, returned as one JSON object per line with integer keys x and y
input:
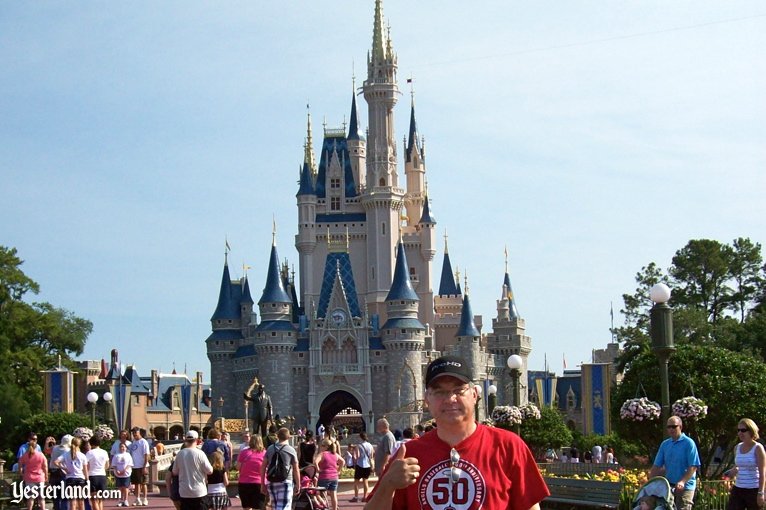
{"x": 342, "y": 410}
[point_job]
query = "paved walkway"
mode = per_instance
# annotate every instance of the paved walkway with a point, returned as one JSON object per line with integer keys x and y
{"x": 158, "y": 502}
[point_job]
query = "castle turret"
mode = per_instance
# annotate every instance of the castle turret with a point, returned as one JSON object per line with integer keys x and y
{"x": 276, "y": 337}
{"x": 468, "y": 339}
{"x": 305, "y": 240}
{"x": 447, "y": 305}
{"x": 414, "y": 171}
{"x": 403, "y": 336}
{"x": 357, "y": 147}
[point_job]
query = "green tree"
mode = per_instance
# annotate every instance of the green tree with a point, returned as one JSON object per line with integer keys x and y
{"x": 549, "y": 431}
{"x": 730, "y": 383}
{"x": 32, "y": 336}
{"x": 747, "y": 272}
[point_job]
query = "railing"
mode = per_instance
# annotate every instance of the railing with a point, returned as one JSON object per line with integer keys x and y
{"x": 348, "y": 368}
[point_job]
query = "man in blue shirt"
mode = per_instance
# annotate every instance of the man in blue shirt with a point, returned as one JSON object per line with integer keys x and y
{"x": 679, "y": 458}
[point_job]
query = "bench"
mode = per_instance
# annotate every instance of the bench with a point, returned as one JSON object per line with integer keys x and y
{"x": 587, "y": 493}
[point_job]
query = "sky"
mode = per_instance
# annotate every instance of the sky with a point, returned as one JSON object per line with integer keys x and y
{"x": 589, "y": 138}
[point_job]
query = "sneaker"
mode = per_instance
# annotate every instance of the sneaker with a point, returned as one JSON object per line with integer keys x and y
{"x": 146, "y": 502}
{"x": 137, "y": 502}
{"x": 353, "y": 500}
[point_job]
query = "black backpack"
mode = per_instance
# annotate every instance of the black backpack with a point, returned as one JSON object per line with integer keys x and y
{"x": 278, "y": 468}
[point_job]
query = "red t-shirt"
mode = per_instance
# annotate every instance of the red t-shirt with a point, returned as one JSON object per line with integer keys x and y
{"x": 498, "y": 472}
{"x": 250, "y": 462}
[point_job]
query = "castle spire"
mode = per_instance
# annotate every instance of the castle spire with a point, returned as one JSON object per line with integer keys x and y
{"x": 308, "y": 148}
{"x": 447, "y": 285}
{"x": 274, "y": 291}
{"x": 401, "y": 287}
{"x": 226, "y": 308}
{"x": 353, "y": 126}
{"x": 467, "y": 325}
{"x": 378, "y": 46}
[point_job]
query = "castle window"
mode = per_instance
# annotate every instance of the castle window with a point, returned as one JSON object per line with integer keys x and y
{"x": 335, "y": 183}
{"x": 382, "y": 182}
{"x": 335, "y": 203}
{"x": 273, "y": 333}
{"x": 383, "y": 229}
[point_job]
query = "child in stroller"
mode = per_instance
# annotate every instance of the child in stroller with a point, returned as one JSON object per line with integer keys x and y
{"x": 311, "y": 497}
{"x": 655, "y": 494}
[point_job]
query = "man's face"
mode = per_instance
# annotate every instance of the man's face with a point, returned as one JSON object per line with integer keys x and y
{"x": 674, "y": 428}
{"x": 450, "y": 400}
{"x": 136, "y": 435}
{"x": 124, "y": 435}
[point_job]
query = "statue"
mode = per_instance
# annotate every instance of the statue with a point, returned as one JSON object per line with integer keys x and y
{"x": 261, "y": 410}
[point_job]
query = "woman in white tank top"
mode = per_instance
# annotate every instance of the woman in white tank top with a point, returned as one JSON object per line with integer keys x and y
{"x": 750, "y": 464}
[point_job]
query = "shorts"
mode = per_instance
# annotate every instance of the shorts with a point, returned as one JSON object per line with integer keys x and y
{"x": 361, "y": 473}
{"x": 330, "y": 485}
{"x": 74, "y": 482}
{"x": 97, "y": 483}
{"x": 122, "y": 482}
{"x": 138, "y": 476}
{"x": 250, "y": 495}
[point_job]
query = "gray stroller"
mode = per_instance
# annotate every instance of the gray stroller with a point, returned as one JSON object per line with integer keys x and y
{"x": 659, "y": 489}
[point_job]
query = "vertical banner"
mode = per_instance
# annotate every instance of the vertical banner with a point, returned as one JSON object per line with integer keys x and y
{"x": 186, "y": 405}
{"x": 596, "y": 395}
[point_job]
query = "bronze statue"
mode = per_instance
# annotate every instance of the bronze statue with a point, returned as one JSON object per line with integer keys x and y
{"x": 261, "y": 410}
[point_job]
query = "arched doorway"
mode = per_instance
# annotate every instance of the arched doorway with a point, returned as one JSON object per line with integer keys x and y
{"x": 341, "y": 408}
{"x": 176, "y": 433}
{"x": 160, "y": 432}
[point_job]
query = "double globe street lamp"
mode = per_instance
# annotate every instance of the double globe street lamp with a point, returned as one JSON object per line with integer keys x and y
{"x": 93, "y": 399}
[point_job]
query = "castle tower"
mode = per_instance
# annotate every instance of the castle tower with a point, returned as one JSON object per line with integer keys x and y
{"x": 357, "y": 147}
{"x": 383, "y": 199}
{"x": 414, "y": 171}
{"x": 306, "y": 239}
{"x": 447, "y": 305}
{"x": 403, "y": 337}
{"x": 276, "y": 338}
{"x": 468, "y": 340}
{"x": 227, "y": 335}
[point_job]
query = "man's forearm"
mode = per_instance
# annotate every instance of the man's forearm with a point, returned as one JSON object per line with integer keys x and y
{"x": 382, "y": 499}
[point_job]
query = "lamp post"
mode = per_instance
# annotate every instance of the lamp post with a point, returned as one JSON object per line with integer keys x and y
{"x": 92, "y": 399}
{"x": 661, "y": 327}
{"x": 220, "y": 412}
{"x": 476, "y": 408}
{"x": 107, "y": 398}
{"x": 491, "y": 399}
{"x": 515, "y": 363}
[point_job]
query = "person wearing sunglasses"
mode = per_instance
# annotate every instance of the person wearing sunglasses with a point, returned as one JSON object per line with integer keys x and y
{"x": 460, "y": 463}
{"x": 750, "y": 466}
{"x": 679, "y": 459}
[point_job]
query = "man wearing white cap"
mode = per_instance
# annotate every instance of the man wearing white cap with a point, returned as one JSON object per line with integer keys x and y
{"x": 192, "y": 467}
{"x": 461, "y": 463}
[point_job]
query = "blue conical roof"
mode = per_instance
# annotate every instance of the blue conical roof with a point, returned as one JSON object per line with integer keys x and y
{"x": 401, "y": 287}
{"x": 427, "y": 217}
{"x": 412, "y": 142}
{"x": 246, "y": 297}
{"x": 274, "y": 291}
{"x": 227, "y": 307}
{"x": 513, "y": 311}
{"x": 447, "y": 285}
{"x": 353, "y": 125}
{"x": 306, "y": 185}
{"x": 467, "y": 326}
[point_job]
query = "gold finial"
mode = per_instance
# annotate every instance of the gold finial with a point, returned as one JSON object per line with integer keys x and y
{"x": 506, "y": 258}
{"x": 446, "y": 247}
{"x": 466, "y": 282}
{"x": 457, "y": 275}
{"x": 245, "y": 267}
{"x": 308, "y": 148}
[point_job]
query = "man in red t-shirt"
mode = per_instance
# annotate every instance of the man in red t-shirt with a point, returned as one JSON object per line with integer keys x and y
{"x": 460, "y": 464}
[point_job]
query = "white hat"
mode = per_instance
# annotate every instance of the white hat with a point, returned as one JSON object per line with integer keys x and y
{"x": 66, "y": 440}
{"x": 192, "y": 435}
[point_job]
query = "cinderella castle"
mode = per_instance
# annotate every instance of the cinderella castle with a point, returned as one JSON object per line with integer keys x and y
{"x": 357, "y": 327}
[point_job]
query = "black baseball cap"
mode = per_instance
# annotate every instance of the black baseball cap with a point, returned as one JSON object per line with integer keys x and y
{"x": 448, "y": 365}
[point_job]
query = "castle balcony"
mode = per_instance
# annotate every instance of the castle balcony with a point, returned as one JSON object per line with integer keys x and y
{"x": 347, "y": 368}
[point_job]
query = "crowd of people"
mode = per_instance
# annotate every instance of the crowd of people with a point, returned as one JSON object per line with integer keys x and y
{"x": 431, "y": 467}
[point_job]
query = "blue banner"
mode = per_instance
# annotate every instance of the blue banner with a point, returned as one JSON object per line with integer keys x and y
{"x": 186, "y": 405}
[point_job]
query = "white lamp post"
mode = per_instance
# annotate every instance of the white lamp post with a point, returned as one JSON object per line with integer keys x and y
{"x": 491, "y": 399}
{"x": 92, "y": 398}
{"x": 515, "y": 363}
{"x": 661, "y": 327}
